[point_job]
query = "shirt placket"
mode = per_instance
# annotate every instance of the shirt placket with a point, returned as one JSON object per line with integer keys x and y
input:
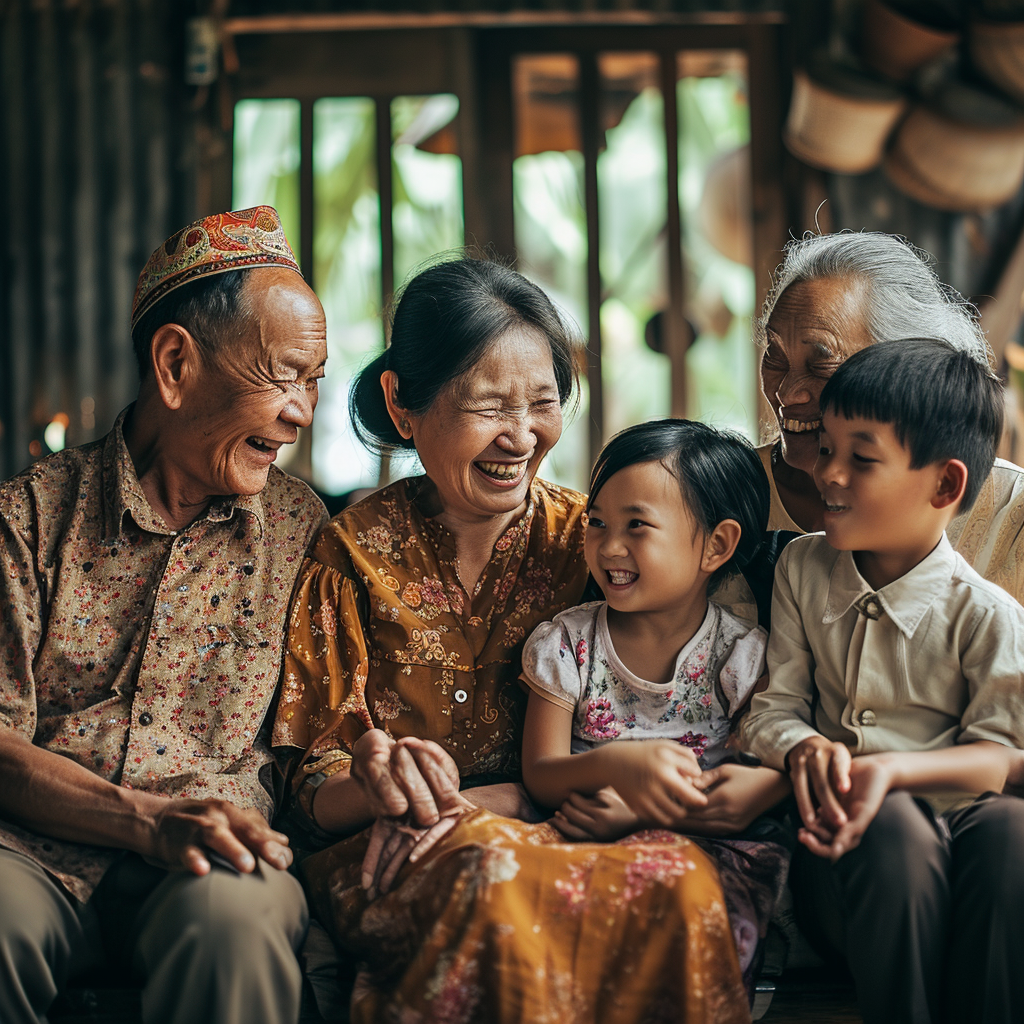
{"x": 155, "y": 740}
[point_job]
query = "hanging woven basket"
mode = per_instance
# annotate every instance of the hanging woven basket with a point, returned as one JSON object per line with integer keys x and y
{"x": 896, "y": 45}
{"x": 997, "y": 51}
{"x": 839, "y": 118}
{"x": 964, "y": 152}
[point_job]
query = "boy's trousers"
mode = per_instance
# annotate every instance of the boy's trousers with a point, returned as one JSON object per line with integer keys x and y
{"x": 217, "y": 949}
{"x": 928, "y": 912}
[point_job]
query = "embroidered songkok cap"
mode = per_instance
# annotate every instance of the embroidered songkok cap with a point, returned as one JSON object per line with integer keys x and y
{"x": 213, "y": 245}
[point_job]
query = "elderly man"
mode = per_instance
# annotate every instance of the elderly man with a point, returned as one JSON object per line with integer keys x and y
{"x": 144, "y": 587}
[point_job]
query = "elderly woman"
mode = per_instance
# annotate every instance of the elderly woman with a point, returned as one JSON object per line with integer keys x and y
{"x": 402, "y": 681}
{"x": 833, "y": 295}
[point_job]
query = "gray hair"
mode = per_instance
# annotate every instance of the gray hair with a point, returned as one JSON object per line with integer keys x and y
{"x": 905, "y": 297}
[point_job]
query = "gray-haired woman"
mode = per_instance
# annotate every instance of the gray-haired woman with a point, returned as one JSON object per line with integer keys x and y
{"x": 835, "y": 294}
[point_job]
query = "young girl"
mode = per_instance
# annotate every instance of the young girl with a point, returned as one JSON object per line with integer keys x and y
{"x": 631, "y": 697}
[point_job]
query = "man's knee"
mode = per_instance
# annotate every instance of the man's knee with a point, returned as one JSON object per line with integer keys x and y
{"x": 987, "y": 842}
{"x": 41, "y": 938}
{"x": 226, "y": 913}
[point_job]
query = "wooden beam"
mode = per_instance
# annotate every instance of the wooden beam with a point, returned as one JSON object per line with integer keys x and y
{"x": 370, "y": 20}
{"x": 590, "y": 125}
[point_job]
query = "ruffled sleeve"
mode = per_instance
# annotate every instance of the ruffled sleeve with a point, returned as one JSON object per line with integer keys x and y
{"x": 323, "y": 700}
{"x": 549, "y": 665}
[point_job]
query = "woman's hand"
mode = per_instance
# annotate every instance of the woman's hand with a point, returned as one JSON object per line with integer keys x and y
{"x": 411, "y": 777}
{"x": 658, "y": 779}
{"x": 605, "y": 816}
{"x": 737, "y": 794}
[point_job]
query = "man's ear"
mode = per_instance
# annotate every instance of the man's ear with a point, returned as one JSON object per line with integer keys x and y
{"x": 951, "y": 484}
{"x": 398, "y": 413}
{"x": 175, "y": 356}
{"x": 720, "y": 545}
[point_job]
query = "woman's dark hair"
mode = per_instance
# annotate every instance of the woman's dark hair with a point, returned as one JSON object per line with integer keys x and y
{"x": 212, "y": 309}
{"x": 444, "y": 321}
{"x": 720, "y": 477}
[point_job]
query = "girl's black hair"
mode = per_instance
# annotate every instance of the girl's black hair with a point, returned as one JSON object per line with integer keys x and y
{"x": 444, "y": 321}
{"x": 720, "y": 477}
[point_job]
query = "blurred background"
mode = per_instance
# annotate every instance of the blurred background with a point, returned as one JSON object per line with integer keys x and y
{"x": 644, "y": 161}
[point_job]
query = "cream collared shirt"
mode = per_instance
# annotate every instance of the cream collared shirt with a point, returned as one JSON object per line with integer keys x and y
{"x": 933, "y": 659}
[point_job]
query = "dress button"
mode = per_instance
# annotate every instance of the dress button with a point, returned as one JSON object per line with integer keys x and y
{"x": 145, "y": 718}
{"x": 867, "y": 717}
{"x": 461, "y": 696}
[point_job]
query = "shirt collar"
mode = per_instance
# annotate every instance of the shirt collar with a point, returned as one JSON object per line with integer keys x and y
{"x": 123, "y": 493}
{"x": 905, "y": 600}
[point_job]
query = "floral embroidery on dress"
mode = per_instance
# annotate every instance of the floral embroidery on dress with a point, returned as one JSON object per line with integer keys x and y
{"x": 576, "y": 889}
{"x": 581, "y": 652}
{"x": 500, "y": 865}
{"x": 388, "y": 708}
{"x": 600, "y": 720}
{"x": 535, "y": 587}
{"x": 329, "y": 620}
{"x": 659, "y": 865}
{"x": 697, "y": 742}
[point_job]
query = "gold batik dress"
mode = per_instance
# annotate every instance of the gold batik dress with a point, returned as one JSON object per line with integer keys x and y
{"x": 502, "y": 921}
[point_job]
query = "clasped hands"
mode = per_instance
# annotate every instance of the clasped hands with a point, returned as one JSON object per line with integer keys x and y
{"x": 837, "y": 795}
{"x": 659, "y": 784}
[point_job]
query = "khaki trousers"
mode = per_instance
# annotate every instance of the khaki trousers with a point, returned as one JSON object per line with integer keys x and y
{"x": 218, "y": 949}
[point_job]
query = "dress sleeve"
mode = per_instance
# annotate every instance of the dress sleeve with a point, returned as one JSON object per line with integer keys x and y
{"x": 743, "y": 667}
{"x": 549, "y": 665}
{"x": 323, "y": 698}
{"x": 780, "y": 717}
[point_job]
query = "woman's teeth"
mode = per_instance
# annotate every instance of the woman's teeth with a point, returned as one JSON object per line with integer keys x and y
{"x": 259, "y": 444}
{"x": 501, "y": 470}
{"x": 800, "y": 426}
{"x": 620, "y": 577}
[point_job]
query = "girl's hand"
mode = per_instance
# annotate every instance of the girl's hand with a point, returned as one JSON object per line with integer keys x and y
{"x": 820, "y": 772}
{"x": 737, "y": 794}
{"x": 658, "y": 779}
{"x": 603, "y": 817}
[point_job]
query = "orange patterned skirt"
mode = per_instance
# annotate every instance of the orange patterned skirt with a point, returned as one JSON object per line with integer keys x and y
{"x": 505, "y": 922}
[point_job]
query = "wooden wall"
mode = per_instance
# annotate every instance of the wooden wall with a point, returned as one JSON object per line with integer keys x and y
{"x": 96, "y": 151}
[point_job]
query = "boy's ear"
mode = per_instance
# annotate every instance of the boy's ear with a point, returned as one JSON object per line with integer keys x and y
{"x": 720, "y": 545}
{"x": 952, "y": 483}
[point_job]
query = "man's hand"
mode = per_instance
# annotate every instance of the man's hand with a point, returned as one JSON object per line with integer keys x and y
{"x": 605, "y": 816}
{"x": 737, "y": 794}
{"x": 870, "y": 779}
{"x": 411, "y": 777}
{"x": 820, "y": 772}
{"x": 658, "y": 780}
{"x": 183, "y": 833}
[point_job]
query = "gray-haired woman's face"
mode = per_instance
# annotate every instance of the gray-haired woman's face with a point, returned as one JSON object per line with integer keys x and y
{"x": 814, "y": 327}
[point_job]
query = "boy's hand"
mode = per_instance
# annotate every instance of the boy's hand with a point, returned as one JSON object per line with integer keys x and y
{"x": 870, "y": 779}
{"x": 658, "y": 779}
{"x": 820, "y": 772}
{"x": 603, "y": 817}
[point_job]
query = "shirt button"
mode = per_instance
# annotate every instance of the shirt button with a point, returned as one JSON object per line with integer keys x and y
{"x": 145, "y": 718}
{"x": 867, "y": 717}
{"x": 461, "y": 696}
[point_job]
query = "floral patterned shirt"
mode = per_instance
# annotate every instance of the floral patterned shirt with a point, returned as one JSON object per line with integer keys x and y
{"x": 149, "y": 656}
{"x": 383, "y": 634}
{"x": 571, "y": 662}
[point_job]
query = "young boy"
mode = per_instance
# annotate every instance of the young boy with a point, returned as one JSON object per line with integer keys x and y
{"x": 896, "y": 671}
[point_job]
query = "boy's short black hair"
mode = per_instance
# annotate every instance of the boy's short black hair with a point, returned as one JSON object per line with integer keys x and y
{"x": 941, "y": 402}
{"x": 720, "y": 477}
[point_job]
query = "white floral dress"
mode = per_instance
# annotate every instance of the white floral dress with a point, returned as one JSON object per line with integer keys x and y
{"x": 572, "y": 662}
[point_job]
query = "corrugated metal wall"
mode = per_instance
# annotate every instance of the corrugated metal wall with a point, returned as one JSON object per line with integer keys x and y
{"x": 93, "y": 176}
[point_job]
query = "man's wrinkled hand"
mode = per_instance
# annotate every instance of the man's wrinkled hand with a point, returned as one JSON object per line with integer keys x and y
{"x": 183, "y": 833}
